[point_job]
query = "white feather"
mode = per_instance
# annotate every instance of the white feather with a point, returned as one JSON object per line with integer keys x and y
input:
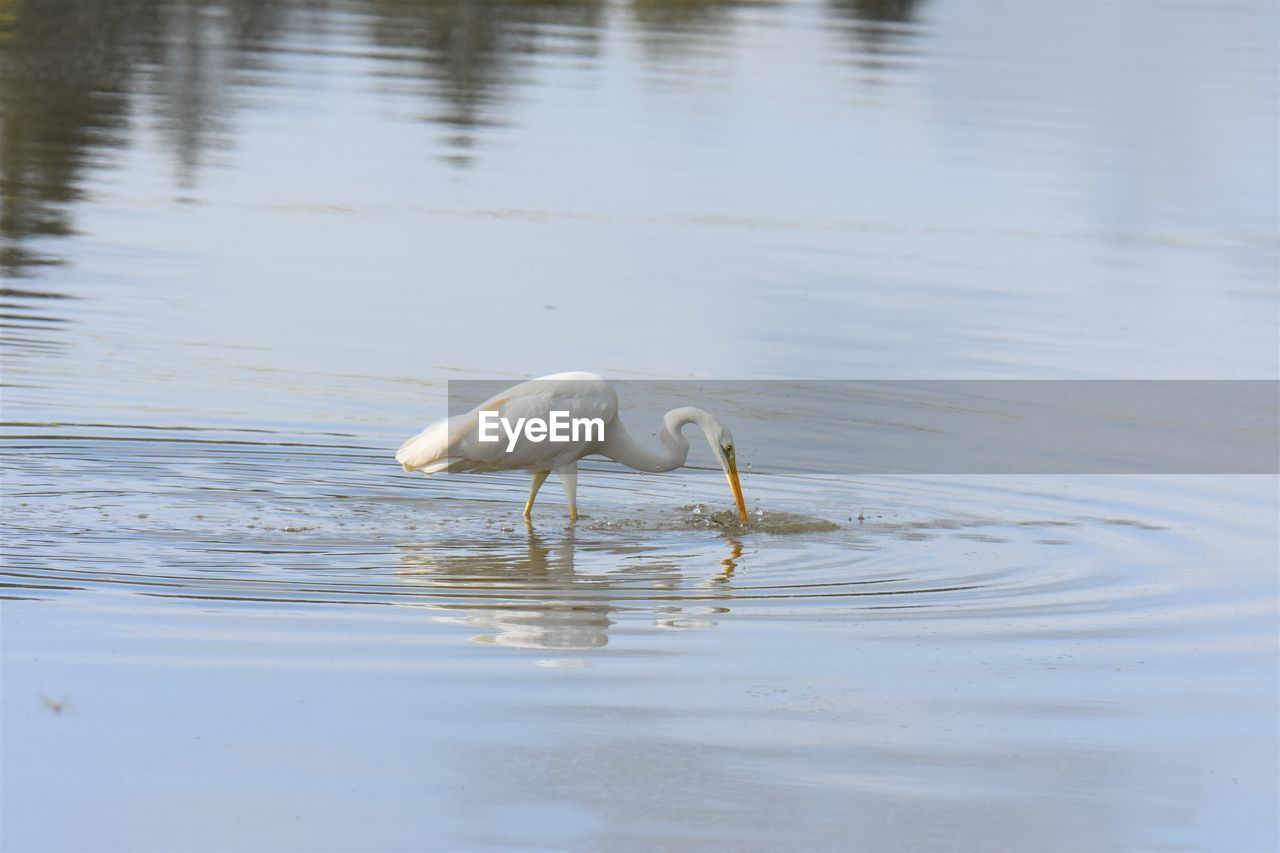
{"x": 453, "y": 444}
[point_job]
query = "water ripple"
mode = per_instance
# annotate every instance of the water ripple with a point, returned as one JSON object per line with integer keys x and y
{"x": 225, "y": 517}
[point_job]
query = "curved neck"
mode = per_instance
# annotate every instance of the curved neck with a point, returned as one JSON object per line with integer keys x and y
{"x": 621, "y": 447}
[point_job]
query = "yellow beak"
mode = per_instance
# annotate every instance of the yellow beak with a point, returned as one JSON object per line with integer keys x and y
{"x": 731, "y": 471}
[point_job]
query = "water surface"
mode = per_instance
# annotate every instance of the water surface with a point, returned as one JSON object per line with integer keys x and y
{"x": 246, "y": 244}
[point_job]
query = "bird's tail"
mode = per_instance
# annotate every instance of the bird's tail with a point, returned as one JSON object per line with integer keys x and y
{"x": 428, "y": 451}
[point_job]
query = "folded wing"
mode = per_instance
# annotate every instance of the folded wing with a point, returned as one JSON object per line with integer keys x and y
{"x": 453, "y": 444}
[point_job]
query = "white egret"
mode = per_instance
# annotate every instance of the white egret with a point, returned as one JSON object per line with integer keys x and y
{"x": 454, "y": 444}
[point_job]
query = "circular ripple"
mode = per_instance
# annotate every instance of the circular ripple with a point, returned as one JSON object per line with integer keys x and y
{"x": 254, "y": 518}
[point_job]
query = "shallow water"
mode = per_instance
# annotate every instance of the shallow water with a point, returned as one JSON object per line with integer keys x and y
{"x": 247, "y": 244}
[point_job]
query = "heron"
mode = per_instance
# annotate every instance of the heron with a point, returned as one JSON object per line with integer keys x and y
{"x": 455, "y": 444}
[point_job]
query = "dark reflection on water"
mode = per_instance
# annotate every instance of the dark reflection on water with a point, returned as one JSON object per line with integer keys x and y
{"x": 75, "y": 73}
{"x": 671, "y": 29}
{"x": 204, "y": 50}
{"x": 60, "y": 102}
{"x": 71, "y": 72}
{"x": 468, "y": 55}
{"x": 880, "y": 30}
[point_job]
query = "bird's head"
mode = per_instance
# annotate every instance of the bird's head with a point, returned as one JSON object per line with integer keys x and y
{"x": 722, "y": 446}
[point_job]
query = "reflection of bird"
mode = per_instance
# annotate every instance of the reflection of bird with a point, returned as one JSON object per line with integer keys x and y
{"x": 730, "y": 563}
{"x": 530, "y": 599}
{"x": 454, "y": 444}
{"x": 533, "y": 597}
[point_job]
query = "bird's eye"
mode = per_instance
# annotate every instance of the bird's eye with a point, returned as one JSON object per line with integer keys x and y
{"x": 728, "y": 450}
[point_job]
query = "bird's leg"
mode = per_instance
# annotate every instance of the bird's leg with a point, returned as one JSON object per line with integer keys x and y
{"x": 569, "y": 479}
{"x": 539, "y": 477}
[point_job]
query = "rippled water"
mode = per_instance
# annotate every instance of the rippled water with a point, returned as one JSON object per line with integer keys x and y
{"x": 247, "y": 243}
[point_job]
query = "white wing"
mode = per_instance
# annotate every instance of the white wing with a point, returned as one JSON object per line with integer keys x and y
{"x": 453, "y": 444}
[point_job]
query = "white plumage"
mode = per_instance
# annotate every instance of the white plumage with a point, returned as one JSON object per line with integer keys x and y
{"x": 453, "y": 444}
